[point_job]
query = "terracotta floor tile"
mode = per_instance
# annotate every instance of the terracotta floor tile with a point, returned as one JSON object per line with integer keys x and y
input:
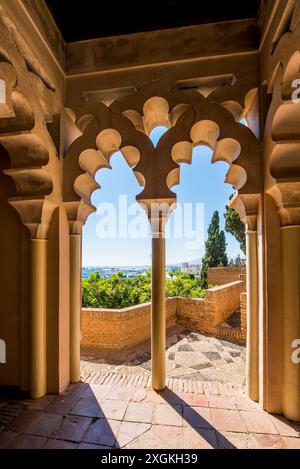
{"x": 73, "y": 428}
{"x": 198, "y": 417}
{"x": 170, "y": 436}
{"x": 78, "y": 389}
{"x": 59, "y": 444}
{"x": 6, "y": 437}
{"x": 263, "y": 441}
{"x": 129, "y": 431}
{"x": 148, "y": 440}
{"x": 40, "y": 404}
{"x": 171, "y": 398}
{"x": 102, "y": 432}
{"x": 242, "y": 403}
{"x": 37, "y": 423}
{"x": 231, "y": 440}
{"x": 201, "y": 439}
{"x": 114, "y": 409}
{"x": 88, "y": 407}
{"x": 139, "y": 412}
{"x": 227, "y": 420}
{"x": 258, "y": 422}
{"x": 194, "y": 399}
{"x": 101, "y": 391}
{"x": 120, "y": 393}
{"x": 222, "y": 402}
{"x": 148, "y": 395}
{"x": 91, "y": 446}
{"x": 292, "y": 443}
{"x": 27, "y": 442}
{"x": 164, "y": 414}
{"x": 24, "y": 420}
{"x": 62, "y": 404}
{"x": 285, "y": 427}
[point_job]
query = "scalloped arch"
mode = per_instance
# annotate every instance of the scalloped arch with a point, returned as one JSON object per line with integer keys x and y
{"x": 191, "y": 120}
{"x": 284, "y": 164}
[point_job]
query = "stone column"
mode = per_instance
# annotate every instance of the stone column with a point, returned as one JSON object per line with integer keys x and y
{"x": 252, "y": 317}
{"x": 38, "y": 380}
{"x": 291, "y": 321}
{"x": 75, "y": 306}
{"x": 158, "y": 305}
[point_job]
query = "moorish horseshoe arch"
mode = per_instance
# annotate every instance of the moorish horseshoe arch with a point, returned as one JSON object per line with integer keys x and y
{"x": 191, "y": 121}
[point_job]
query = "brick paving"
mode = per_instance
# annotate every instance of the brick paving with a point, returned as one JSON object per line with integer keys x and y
{"x": 187, "y": 414}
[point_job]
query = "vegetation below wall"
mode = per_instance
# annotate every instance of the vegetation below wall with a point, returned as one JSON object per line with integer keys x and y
{"x": 119, "y": 291}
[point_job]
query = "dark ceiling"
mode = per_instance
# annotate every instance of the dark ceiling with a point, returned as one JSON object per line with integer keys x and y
{"x": 88, "y": 19}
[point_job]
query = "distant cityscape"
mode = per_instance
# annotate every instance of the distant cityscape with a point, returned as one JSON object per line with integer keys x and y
{"x": 133, "y": 271}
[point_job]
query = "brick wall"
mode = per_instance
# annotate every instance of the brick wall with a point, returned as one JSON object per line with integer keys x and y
{"x": 190, "y": 312}
{"x": 244, "y": 315}
{"x": 116, "y": 329}
{"x": 223, "y": 301}
{"x": 223, "y": 275}
{"x": 119, "y": 329}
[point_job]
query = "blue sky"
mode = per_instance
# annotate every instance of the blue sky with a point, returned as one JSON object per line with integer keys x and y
{"x": 200, "y": 182}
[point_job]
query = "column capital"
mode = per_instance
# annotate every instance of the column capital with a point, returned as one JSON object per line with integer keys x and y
{"x": 286, "y": 195}
{"x": 36, "y": 215}
{"x": 158, "y": 212}
{"x": 246, "y": 205}
{"x": 77, "y": 213}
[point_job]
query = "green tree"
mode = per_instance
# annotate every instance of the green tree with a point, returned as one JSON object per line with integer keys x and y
{"x": 118, "y": 291}
{"x": 215, "y": 249}
{"x": 235, "y": 226}
{"x": 239, "y": 261}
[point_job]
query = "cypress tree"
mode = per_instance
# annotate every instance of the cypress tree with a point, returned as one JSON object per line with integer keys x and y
{"x": 215, "y": 248}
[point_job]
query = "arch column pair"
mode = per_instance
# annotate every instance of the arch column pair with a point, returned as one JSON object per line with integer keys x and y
{"x": 50, "y": 318}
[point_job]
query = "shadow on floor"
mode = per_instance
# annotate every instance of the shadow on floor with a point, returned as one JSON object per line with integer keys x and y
{"x": 196, "y": 421}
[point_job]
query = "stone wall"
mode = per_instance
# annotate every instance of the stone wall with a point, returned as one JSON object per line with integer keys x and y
{"x": 223, "y": 275}
{"x": 111, "y": 329}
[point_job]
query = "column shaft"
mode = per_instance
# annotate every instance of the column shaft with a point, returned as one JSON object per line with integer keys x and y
{"x": 38, "y": 317}
{"x": 252, "y": 317}
{"x": 158, "y": 312}
{"x": 291, "y": 321}
{"x": 75, "y": 306}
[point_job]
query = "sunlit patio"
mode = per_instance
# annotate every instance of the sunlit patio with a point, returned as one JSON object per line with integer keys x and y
{"x": 94, "y": 416}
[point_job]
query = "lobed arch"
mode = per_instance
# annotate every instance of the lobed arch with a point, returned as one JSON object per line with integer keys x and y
{"x": 28, "y": 108}
{"x": 284, "y": 118}
{"x": 191, "y": 120}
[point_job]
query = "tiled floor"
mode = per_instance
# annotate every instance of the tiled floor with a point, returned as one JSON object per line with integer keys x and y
{"x": 112, "y": 416}
{"x": 189, "y": 355}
